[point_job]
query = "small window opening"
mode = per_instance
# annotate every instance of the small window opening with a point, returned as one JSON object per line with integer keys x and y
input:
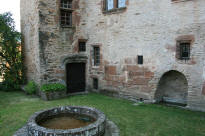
{"x": 96, "y": 56}
{"x": 140, "y": 60}
{"x": 95, "y": 83}
{"x": 185, "y": 50}
{"x": 82, "y": 46}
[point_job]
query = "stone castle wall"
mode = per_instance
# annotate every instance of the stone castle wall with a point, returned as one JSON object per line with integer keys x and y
{"x": 29, "y": 29}
{"x": 148, "y": 28}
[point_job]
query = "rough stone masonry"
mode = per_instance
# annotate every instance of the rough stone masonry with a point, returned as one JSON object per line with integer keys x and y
{"x": 139, "y": 47}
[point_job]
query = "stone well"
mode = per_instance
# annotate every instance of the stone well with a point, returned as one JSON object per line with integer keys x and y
{"x": 97, "y": 128}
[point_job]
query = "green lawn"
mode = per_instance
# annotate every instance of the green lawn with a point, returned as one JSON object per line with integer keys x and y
{"x": 143, "y": 120}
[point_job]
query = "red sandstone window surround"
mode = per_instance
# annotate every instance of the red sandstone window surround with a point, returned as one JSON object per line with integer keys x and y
{"x": 183, "y": 50}
{"x": 66, "y": 13}
{"x": 114, "y": 5}
{"x": 82, "y": 45}
{"x": 96, "y": 55}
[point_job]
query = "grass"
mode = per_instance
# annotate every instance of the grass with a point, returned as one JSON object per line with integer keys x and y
{"x": 142, "y": 120}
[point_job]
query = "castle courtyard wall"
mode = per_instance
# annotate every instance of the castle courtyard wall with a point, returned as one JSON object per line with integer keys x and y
{"x": 148, "y": 28}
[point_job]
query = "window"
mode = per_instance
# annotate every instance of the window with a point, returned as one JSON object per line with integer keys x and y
{"x": 81, "y": 46}
{"x": 140, "y": 60}
{"x": 67, "y": 4}
{"x": 95, "y": 83}
{"x": 110, "y": 4}
{"x": 185, "y": 50}
{"x": 66, "y": 13}
{"x": 96, "y": 56}
{"x": 113, "y": 4}
{"x": 121, "y": 3}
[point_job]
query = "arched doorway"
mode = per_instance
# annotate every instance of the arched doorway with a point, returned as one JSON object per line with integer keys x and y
{"x": 75, "y": 66}
{"x": 172, "y": 88}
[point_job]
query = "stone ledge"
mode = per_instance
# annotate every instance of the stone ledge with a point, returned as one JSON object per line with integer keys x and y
{"x": 110, "y": 130}
{"x": 115, "y": 11}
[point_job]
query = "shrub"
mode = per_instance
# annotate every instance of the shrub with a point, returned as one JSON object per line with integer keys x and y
{"x": 31, "y": 87}
{"x": 52, "y": 87}
{"x": 8, "y": 85}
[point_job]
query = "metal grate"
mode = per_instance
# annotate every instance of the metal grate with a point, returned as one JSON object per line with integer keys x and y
{"x": 185, "y": 51}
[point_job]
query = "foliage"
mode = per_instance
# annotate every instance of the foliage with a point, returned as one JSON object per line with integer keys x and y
{"x": 9, "y": 85}
{"x": 31, "y": 87}
{"x": 10, "y": 53}
{"x": 143, "y": 120}
{"x": 52, "y": 87}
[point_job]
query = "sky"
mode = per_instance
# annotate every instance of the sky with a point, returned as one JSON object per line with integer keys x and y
{"x": 12, "y": 6}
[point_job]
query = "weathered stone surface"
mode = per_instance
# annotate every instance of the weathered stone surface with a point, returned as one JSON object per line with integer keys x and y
{"x": 53, "y": 95}
{"x": 110, "y": 130}
{"x": 173, "y": 88}
{"x": 148, "y": 28}
{"x": 95, "y": 129}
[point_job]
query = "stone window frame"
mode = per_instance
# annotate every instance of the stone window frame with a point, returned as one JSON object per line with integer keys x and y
{"x": 188, "y": 46}
{"x": 96, "y": 56}
{"x": 79, "y": 41}
{"x": 140, "y": 60}
{"x": 67, "y": 10}
{"x": 115, "y": 5}
{"x": 98, "y": 67}
{"x": 184, "y": 39}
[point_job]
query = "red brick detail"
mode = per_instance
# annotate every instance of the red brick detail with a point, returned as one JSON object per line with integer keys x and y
{"x": 131, "y": 68}
{"x": 186, "y": 38}
{"x": 192, "y": 62}
{"x": 135, "y": 74}
{"x": 149, "y": 74}
{"x": 110, "y": 70}
{"x": 76, "y": 18}
{"x": 75, "y": 49}
{"x": 140, "y": 81}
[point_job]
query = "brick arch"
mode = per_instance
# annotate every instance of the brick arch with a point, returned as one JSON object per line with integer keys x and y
{"x": 172, "y": 87}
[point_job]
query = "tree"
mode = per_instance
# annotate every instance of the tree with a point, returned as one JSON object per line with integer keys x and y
{"x": 11, "y": 66}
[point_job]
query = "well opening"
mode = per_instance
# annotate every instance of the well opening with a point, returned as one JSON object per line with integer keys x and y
{"x": 68, "y": 120}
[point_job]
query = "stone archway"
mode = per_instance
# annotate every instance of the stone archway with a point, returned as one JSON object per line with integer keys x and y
{"x": 75, "y": 67}
{"x": 172, "y": 88}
